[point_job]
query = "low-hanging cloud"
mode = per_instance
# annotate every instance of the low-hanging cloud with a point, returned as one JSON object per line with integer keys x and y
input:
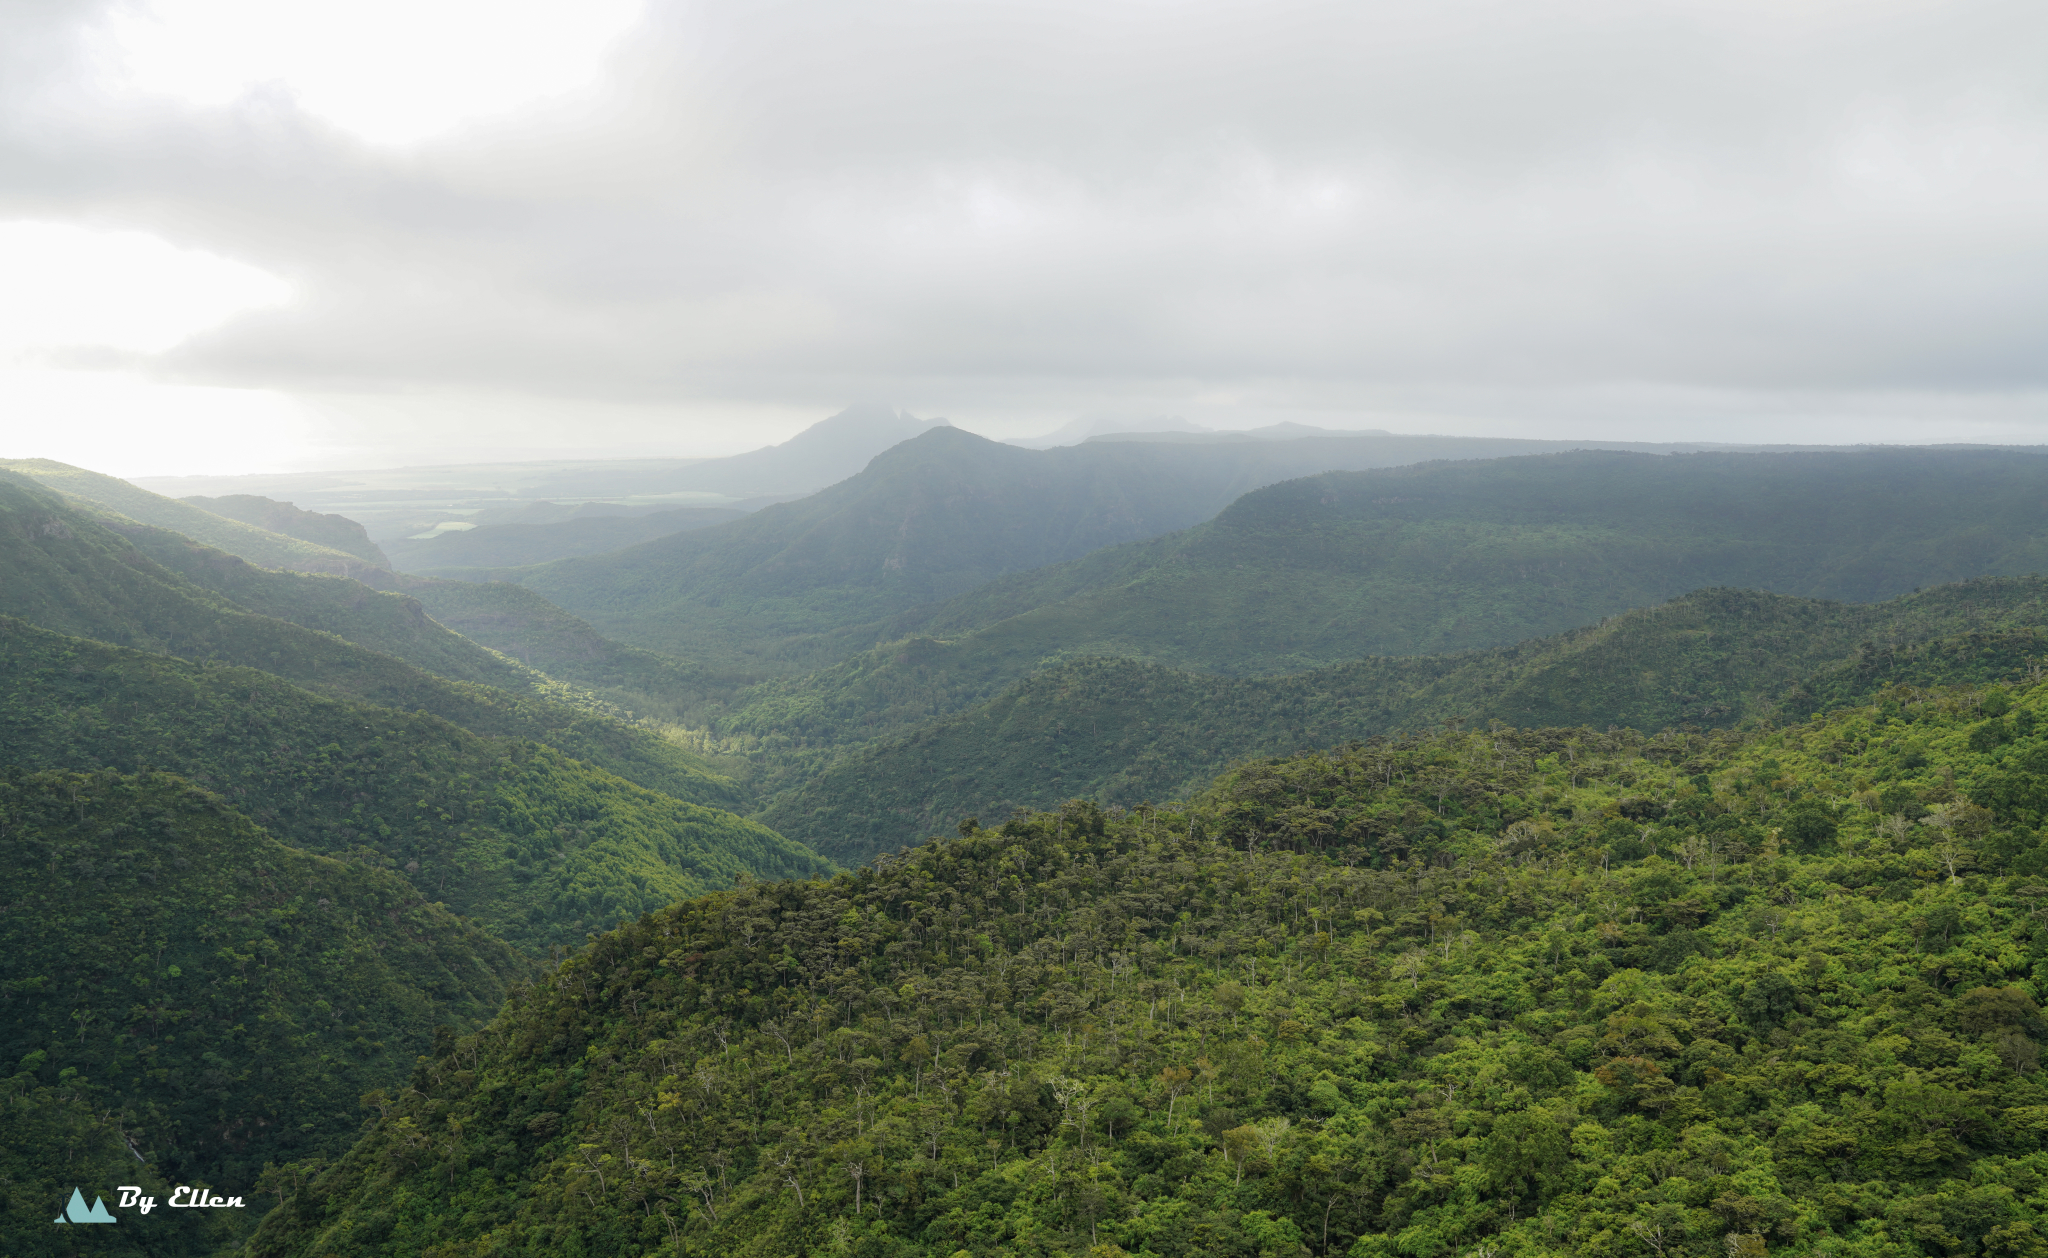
{"x": 1560, "y": 211}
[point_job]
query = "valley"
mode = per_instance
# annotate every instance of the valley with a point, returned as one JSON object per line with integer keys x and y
{"x": 1174, "y": 843}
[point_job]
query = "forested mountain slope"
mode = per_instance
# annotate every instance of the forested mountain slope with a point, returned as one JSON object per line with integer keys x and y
{"x": 65, "y": 571}
{"x": 1315, "y": 572}
{"x": 519, "y": 623}
{"x": 57, "y": 1142}
{"x": 1125, "y": 731}
{"x": 103, "y": 494}
{"x": 1294, "y": 575}
{"x": 536, "y": 846}
{"x": 1453, "y": 556}
{"x": 1538, "y": 992}
{"x": 927, "y": 520}
{"x": 336, "y": 532}
{"x": 223, "y": 997}
{"x": 386, "y": 622}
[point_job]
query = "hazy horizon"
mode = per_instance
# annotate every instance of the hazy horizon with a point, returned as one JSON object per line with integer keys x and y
{"x": 242, "y": 237}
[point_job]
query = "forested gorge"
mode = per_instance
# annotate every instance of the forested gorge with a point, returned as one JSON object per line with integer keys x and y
{"x": 1704, "y": 928}
{"x": 535, "y": 846}
{"x": 1123, "y": 731}
{"x": 222, "y": 997}
{"x": 263, "y": 832}
{"x": 1479, "y": 991}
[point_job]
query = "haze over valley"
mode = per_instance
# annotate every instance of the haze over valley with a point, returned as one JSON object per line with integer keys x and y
{"x": 1016, "y": 632}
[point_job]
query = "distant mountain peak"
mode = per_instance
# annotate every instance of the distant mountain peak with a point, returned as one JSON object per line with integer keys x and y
{"x": 863, "y": 426}
{"x": 864, "y": 417}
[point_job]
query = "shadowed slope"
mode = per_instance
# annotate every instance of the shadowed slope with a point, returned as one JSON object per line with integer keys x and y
{"x": 927, "y": 520}
{"x": 230, "y": 996}
{"x": 1123, "y": 731}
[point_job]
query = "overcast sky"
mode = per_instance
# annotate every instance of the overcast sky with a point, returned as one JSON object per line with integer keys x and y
{"x": 246, "y": 235}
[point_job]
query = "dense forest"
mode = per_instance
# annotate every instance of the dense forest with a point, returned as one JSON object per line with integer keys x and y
{"x": 431, "y": 919}
{"x": 215, "y": 998}
{"x": 264, "y": 831}
{"x": 1123, "y": 731}
{"x": 539, "y": 847}
{"x": 67, "y": 571}
{"x": 799, "y": 584}
{"x": 1487, "y": 990}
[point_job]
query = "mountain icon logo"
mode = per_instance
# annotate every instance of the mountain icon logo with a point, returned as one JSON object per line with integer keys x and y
{"x": 77, "y": 1213}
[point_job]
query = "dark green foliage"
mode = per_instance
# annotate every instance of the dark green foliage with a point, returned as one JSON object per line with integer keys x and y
{"x": 1963, "y": 659}
{"x": 1408, "y": 997}
{"x": 389, "y": 623}
{"x": 539, "y": 847}
{"x": 65, "y": 571}
{"x": 1810, "y": 828}
{"x": 929, "y": 519}
{"x": 55, "y": 1141}
{"x": 1124, "y": 731}
{"x": 226, "y": 998}
{"x": 336, "y": 532}
{"x": 1453, "y": 556}
{"x": 806, "y": 582}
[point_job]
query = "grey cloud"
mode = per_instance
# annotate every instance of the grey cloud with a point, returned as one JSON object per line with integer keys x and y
{"x": 1463, "y": 208}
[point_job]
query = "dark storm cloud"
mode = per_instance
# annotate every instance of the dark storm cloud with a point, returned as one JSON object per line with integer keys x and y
{"x": 1451, "y": 206}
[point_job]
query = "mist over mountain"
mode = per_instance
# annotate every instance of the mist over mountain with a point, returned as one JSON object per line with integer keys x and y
{"x": 67, "y": 572}
{"x": 515, "y": 543}
{"x": 258, "y": 543}
{"x": 1075, "y": 431}
{"x": 925, "y": 521}
{"x": 1466, "y": 676}
{"x": 825, "y": 453}
{"x": 1455, "y": 555}
{"x": 928, "y": 519}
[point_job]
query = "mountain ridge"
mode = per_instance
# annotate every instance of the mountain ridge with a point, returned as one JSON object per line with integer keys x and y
{"x": 107, "y": 494}
{"x": 72, "y": 573}
{"x": 930, "y": 519}
{"x": 1127, "y": 731}
{"x": 336, "y": 532}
